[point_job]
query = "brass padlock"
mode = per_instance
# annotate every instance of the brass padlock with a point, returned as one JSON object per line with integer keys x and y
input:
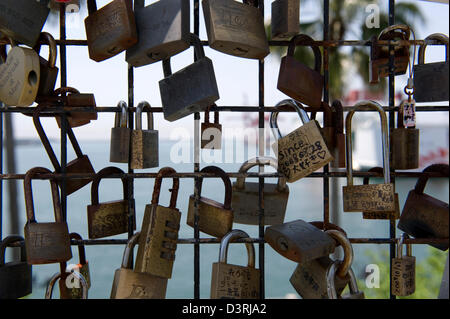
{"x": 299, "y": 81}
{"x": 214, "y": 218}
{"x": 19, "y": 76}
{"x": 424, "y": 216}
{"x": 119, "y": 151}
{"x": 130, "y": 284}
{"x": 15, "y": 276}
{"x": 403, "y": 279}
{"x": 144, "y": 143}
{"x": 189, "y": 90}
{"x": 58, "y": 276}
{"x": 374, "y": 197}
{"x": 48, "y": 69}
{"x": 110, "y": 218}
{"x": 45, "y": 243}
{"x": 110, "y": 30}
{"x": 431, "y": 79}
{"x": 285, "y": 20}
{"x": 211, "y": 137}
{"x": 236, "y": 28}
{"x": 338, "y": 124}
{"x": 232, "y": 281}
{"x": 302, "y": 151}
{"x": 245, "y": 199}
{"x": 159, "y": 231}
{"x": 355, "y": 293}
{"x": 163, "y": 31}
{"x": 74, "y": 99}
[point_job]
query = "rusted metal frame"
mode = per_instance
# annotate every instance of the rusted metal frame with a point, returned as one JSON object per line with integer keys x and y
{"x": 130, "y": 181}
{"x": 326, "y": 98}
{"x": 1, "y": 172}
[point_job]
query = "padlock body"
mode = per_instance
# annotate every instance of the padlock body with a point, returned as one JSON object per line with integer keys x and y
{"x": 245, "y": 204}
{"x": 108, "y": 219}
{"x": 373, "y": 197}
{"x": 48, "y": 78}
{"x": 403, "y": 276}
{"x": 129, "y": 284}
{"x": 80, "y": 165}
{"x": 379, "y": 68}
{"x": 285, "y": 22}
{"x": 431, "y": 82}
{"x": 405, "y": 148}
{"x": 211, "y": 136}
{"x": 15, "y": 280}
{"x": 77, "y": 119}
{"x": 384, "y": 215}
{"x": 235, "y": 28}
{"x": 120, "y": 145}
{"x": 339, "y": 152}
{"x": 144, "y": 149}
{"x": 234, "y": 282}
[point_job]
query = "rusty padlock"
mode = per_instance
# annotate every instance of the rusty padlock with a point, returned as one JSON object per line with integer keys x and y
{"x": 403, "y": 278}
{"x": 58, "y": 276}
{"x": 211, "y": 137}
{"x": 338, "y": 124}
{"x": 285, "y": 19}
{"x": 119, "y": 151}
{"x": 71, "y": 97}
{"x": 48, "y": 69}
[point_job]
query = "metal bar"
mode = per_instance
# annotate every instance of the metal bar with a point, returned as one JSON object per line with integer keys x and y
{"x": 1, "y": 172}
{"x": 326, "y": 98}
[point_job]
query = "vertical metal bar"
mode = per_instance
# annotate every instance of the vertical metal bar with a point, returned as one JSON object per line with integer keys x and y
{"x": 130, "y": 180}
{"x": 1, "y": 172}
{"x": 326, "y": 98}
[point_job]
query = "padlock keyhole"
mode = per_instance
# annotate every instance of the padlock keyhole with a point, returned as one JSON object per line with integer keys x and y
{"x": 32, "y": 78}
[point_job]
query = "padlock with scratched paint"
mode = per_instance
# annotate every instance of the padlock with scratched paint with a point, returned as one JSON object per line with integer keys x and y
{"x": 403, "y": 278}
{"x": 285, "y": 19}
{"x": 48, "y": 69}
{"x": 119, "y": 151}
{"x": 71, "y": 97}
{"x": 211, "y": 133}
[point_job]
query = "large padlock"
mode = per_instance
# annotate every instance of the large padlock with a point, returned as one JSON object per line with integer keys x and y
{"x": 110, "y": 30}
{"x": 338, "y": 124}
{"x": 119, "y": 151}
{"x": 48, "y": 69}
{"x": 232, "y": 281}
{"x": 110, "y": 218}
{"x": 403, "y": 279}
{"x": 211, "y": 137}
{"x": 76, "y": 99}
{"x": 245, "y": 199}
{"x": 354, "y": 293}
{"x": 80, "y": 165}
{"x": 45, "y": 243}
{"x": 299, "y": 81}
{"x": 379, "y": 54}
{"x": 189, "y": 90}
{"x": 15, "y": 276}
{"x": 163, "y": 31}
{"x": 144, "y": 143}
{"x": 236, "y": 28}
{"x": 214, "y": 218}
{"x": 159, "y": 231}
{"x": 19, "y": 76}
{"x": 23, "y": 20}
{"x": 285, "y": 20}
{"x": 58, "y": 276}
{"x": 373, "y": 197}
{"x": 130, "y": 284}
{"x": 424, "y": 216}
{"x": 302, "y": 151}
{"x": 431, "y": 79}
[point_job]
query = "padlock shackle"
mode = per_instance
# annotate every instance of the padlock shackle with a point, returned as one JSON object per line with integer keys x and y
{"x": 150, "y": 121}
{"x": 92, "y": 6}
{"x": 76, "y": 274}
{"x": 121, "y": 120}
{"x": 216, "y": 114}
{"x": 360, "y": 106}
{"x": 423, "y": 179}
{"x": 66, "y": 89}
{"x": 304, "y": 39}
{"x": 338, "y": 116}
{"x": 342, "y": 239}
{"x": 391, "y": 33}
{"x": 157, "y": 188}
{"x": 331, "y": 276}
{"x": 228, "y": 238}
{"x": 107, "y": 171}
{"x": 441, "y": 38}
{"x": 8, "y": 241}
{"x": 81, "y": 248}
{"x": 327, "y": 226}
{"x": 400, "y": 243}
{"x": 47, "y": 38}
{"x": 274, "y": 115}
{"x": 127, "y": 260}
{"x": 217, "y": 171}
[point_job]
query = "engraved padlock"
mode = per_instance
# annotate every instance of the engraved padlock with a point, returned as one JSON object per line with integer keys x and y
{"x": 285, "y": 19}
{"x": 119, "y": 151}
{"x": 403, "y": 278}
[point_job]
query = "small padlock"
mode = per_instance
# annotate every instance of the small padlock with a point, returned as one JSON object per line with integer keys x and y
{"x": 15, "y": 276}
{"x": 163, "y": 31}
{"x": 76, "y": 276}
{"x": 130, "y": 284}
{"x": 144, "y": 143}
{"x": 214, "y": 218}
{"x": 189, "y": 90}
{"x": 236, "y": 28}
{"x": 110, "y": 218}
{"x": 374, "y": 197}
{"x": 45, "y": 243}
{"x": 424, "y": 216}
{"x": 74, "y": 99}
{"x": 245, "y": 199}
{"x": 302, "y": 151}
{"x": 431, "y": 79}
{"x": 159, "y": 231}
{"x": 110, "y": 30}
{"x": 338, "y": 124}
{"x": 403, "y": 279}
{"x": 211, "y": 132}
{"x": 355, "y": 293}
{"x": 299, "y": 81}
{"x": 48, "y": 69}
{"x": 19, "y": 76}
{"x": 120, "y": 136}
{"x": 285, "y": 22}
{"x": 232, "y": 281}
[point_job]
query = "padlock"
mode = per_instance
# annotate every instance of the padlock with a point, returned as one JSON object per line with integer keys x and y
{"x": 15, "y": 276}
{"x": 80, "y": 165}
{"x": 48, "y": 69}
{"x": 431, "y": 79}
{"x": 299, "y": 81}
{"x": 214, "y": 218}
{"x": 232, "y": 281}
{"x": 110, "y": 218}
{"x": 58, "y": 276}
{"x": 403, "y": 279}
{"x": 236, "y": 28}
{"x": 45, "y": 243}
{"x": 302, "y": 151}
{"x": 443, "y": 289}
{"x": 159, "y": 231}
{"x": 355, "y": 293}
{"x": 76, "y": 99}
{"x": 23, "y": 20}
{"x": 144, "y": 143}
{"x": 395, "y": 214}
{"x": 19, "y": 76}
{"x": 328, "y": 131}
{"x": 379, "y": 55}
{"x": 119, "y": 151}
{"x": 110, "y": 30}
{"x": 424, "y": 216}
{"x": 285, "y": 20}
{"x": 374, "y": 197}
{"x": 338, "y": 124}
{"x": 189, "y": 90}
{"x": 245, "y": 199}
{"x": 211, "y": 137}
{"x": 163, "y": 31}
{"x": 130, "y": 284}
